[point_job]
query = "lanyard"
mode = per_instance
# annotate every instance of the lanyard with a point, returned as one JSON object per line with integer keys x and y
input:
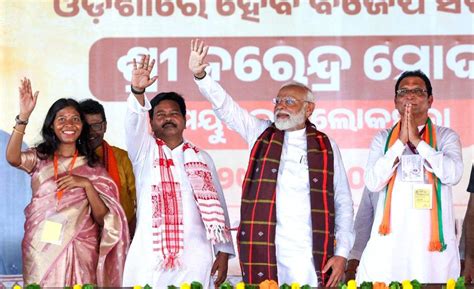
{"x": 59, "y": 194}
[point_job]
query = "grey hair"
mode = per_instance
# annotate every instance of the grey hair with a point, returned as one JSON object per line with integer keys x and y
{"x": 309, "y": 94}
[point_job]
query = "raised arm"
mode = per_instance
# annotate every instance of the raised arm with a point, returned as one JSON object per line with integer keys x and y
{"x": 27, "y": 105}
{"x": 141, "y": 77}
{"x": 197, "y": 58}
{"x": 136, "y": 118}
{"x": 225, "y": 108}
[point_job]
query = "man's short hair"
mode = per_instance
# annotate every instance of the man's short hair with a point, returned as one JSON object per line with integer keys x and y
{"x": 309, "y": 94}
{"x": 168, "y": 96}
{"x": 90, "y": 106}
{"x": 415, "y": 73}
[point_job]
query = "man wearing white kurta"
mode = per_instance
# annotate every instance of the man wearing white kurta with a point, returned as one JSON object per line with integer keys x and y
{"x": 293, "y": 235}
{"x": 362, "y": 228}
{"x": 404, "y": 252}
{"x": 141, "y": 265}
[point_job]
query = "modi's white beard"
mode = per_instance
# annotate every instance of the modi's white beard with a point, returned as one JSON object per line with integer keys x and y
{"x": 291, "y": 122}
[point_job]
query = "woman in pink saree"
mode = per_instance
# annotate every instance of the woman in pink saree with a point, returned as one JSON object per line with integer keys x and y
{"x": 75, "y": 231}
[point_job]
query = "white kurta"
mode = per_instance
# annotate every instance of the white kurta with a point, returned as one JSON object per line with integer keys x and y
{"x": 403, "y": 254}
{"x": 197, "y": 257}
{"x": 293, "y": 233}
{"x": 293, "y": 237}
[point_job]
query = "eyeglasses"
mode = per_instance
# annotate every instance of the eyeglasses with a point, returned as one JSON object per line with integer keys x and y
{"x": 97, "y": 125}
{"x": 287, "y": 100}
{"x": 416, "y": 91}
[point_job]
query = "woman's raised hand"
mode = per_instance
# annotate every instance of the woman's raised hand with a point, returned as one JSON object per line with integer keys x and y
{"x": 27, "y": 99}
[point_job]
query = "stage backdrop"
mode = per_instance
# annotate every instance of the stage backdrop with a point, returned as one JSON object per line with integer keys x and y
{"x": 349, "y": 52}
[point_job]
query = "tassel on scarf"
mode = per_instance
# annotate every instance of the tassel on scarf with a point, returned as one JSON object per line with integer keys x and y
{"x": 217, "y": 234}
{"x": 170, "y": 262}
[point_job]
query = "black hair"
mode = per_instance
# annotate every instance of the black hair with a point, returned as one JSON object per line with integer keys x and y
{"x": 415, "y": 73}
{"x": 168, "y": 96}
{"x": 51, "y": 143}
{"x": 90, "y": 106}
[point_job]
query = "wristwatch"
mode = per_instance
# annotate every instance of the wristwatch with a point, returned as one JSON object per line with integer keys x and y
{"x": 134, "y": 91}
{"x": 19, "y": 121}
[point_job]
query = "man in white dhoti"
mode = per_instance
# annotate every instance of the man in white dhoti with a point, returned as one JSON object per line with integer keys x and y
{"x": 414, "y": 166}
{"x": 296, "y": 211}
{"x": 181, "y": 213}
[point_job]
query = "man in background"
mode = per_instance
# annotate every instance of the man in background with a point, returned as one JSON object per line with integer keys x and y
{"x": 362, "y": 227}
{"x": 114, "y": 159}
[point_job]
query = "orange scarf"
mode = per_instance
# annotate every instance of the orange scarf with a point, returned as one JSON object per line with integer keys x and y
{"x": 110, "y": 164}
{"x": 436, "y": 239}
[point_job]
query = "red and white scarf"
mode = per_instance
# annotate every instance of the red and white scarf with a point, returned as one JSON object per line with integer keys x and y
{"x": 167, "y": 209}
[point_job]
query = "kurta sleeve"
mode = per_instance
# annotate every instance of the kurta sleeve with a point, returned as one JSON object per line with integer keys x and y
{"x": 446, "y": 162}
{"x": 220, "y": 247}
{"x": 228, "y": 111}
{"x": 343, "y": 205}
{"x": 136, "y": 128}
{"x": 381, "y": 166}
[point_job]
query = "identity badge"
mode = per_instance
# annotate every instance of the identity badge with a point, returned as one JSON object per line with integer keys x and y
{"x": 53, "y": 230}
{"x": 422, "y": 196}
{"x": 412, "y": 168}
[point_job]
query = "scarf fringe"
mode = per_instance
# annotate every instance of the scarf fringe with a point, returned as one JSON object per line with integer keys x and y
{"x": 217, "y": 233}
{"x": 170, "y": 262}
{"x": 384, "y": 229}
{"x": 436, "y": 246}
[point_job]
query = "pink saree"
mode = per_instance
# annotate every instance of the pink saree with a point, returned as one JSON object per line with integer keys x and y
{"x": 84, "y": 252}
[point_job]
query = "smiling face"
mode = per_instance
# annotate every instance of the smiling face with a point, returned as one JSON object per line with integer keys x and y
{"x": 168, "y": 123}
{"x": 292, "y": 115}
{"x": 420, "y": 103}
{"x": 67, "y": 125}
{"x": 97, "y": 128}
